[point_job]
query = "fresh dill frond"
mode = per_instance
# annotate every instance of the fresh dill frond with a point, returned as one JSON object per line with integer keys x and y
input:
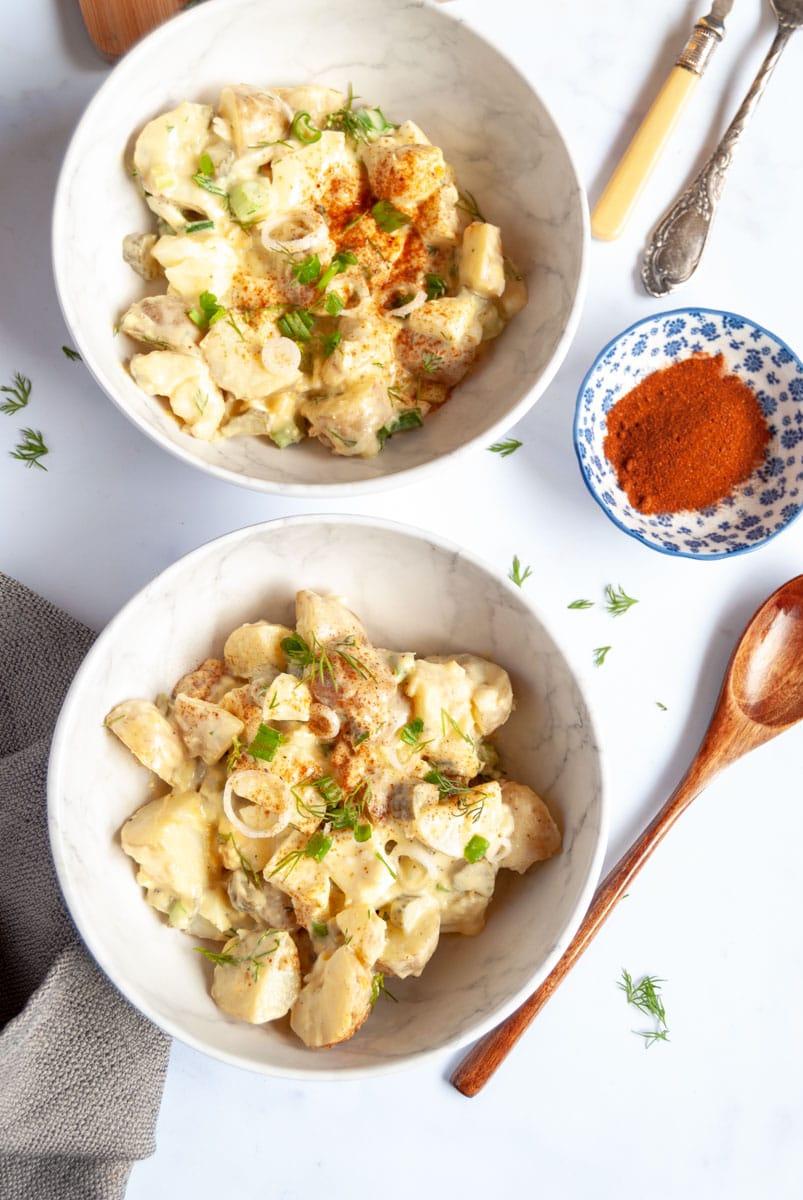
{"x": 618, "y": 601}
{"x": 447, "y": 718}
{"x": 256, "y": 961}
{"x": 431, "y": 363}
{"x": 516, "y": 575}
{"x": 19, "y": 391}
{"x": 646, "y": 997}
{"x": 467, "y": 201}
{"x": 469, "y": 802}
{"x": 581, "y": 604}
{"x": 377, "y": 986}
{"x": 250, "y": 873}
{"x": 506, "y": 448}
{"x": 600, "y": 654}
{"x": 31, "y": 449}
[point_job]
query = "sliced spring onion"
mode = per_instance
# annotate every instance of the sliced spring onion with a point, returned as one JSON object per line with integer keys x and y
{"x": 303, "y": 129}
{"x": 297, "y": 325}
{"x": 337, "y": 266}
{"x": 318, "y": 846}
{"x": 266, "y": 742}
{"x": 330, "y": 342}
{"x": 475, "y": 848}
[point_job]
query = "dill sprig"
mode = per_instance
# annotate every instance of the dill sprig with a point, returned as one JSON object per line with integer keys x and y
{"x": 646, "y": 997}
{"x": 516, "y": 574}
{"x": 470, "y": 803}
{"x": 313, "y": 658}
{"x": 73, "y": 355}
{"x": 317, "y": 847}
{"x": 467, "y": 201}
{"x": 581, "y": 604}
{"x": 431, "y": 363}
{"x": 377, "y": 986}
{"x": 31, "y": 449}
{"x": 600, "y": 653}
{"x": 506, "y": 448}
{"x": 447, "y": 718}
{"x": 338, "y": 810}
{"x": 618, "y": 601}
{"x": 229, "y": 959}
{"x": 361, "y": 124}
{"x": 20, "y": 393}
{"x": 247, "y": 867}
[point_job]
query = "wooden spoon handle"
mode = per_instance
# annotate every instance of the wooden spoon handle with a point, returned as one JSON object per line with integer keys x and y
{"x": 490, "y": 1051}
{"x": 114, "y": 25}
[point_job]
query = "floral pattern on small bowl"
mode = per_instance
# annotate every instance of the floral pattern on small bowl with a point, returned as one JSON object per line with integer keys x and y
{"x": 762, "y": 506}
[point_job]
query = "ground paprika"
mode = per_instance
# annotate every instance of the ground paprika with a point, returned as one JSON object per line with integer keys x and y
{"x": 686, "y": 436}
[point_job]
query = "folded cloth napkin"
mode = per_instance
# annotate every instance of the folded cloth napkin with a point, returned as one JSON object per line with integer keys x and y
{"x": 82, "y": 1072}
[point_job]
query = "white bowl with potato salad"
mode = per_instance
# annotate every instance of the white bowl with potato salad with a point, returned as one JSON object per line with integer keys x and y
{"x": 361, "y": 767}
{"x": 334, "y": 251}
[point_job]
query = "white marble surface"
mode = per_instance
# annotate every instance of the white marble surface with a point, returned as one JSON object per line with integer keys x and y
{"x": 581, "y": 1108}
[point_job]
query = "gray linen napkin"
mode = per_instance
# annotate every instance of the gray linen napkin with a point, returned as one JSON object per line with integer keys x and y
{"x": 81, "y": 1072}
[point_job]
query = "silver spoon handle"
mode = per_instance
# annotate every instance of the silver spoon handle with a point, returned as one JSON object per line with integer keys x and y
{"x": 679, "y": 238}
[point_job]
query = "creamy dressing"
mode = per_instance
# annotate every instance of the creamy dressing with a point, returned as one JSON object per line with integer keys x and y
{"x": 311, "y": 222}
{"x": 334, "y": 790}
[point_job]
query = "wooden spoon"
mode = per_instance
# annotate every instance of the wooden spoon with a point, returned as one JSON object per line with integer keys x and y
{"x": 114, "y": 25}
{"x": 762, "y": 695}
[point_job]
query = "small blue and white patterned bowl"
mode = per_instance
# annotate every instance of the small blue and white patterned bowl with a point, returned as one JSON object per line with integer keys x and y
{"x": 773, "y": 495}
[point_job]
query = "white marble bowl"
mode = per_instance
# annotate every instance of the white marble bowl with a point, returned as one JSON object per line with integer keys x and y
{"x": 416, "y": 61}
{"x": 413, "y": 592}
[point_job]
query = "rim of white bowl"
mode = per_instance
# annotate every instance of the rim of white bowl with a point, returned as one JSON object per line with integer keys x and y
{"x": 638, "y": 537}
{"x": 59, "y": 752}
{"x": 406, "y": 475}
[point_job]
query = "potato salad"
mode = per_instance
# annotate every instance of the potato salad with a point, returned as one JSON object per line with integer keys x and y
{"x": 325, "y": 810}
{"x": 315, "y": 270}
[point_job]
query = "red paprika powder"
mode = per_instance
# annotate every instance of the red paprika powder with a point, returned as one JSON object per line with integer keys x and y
{"x": 686, "y": 436}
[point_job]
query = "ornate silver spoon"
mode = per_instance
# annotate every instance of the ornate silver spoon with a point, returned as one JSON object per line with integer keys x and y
{"x": 679, "y": 238}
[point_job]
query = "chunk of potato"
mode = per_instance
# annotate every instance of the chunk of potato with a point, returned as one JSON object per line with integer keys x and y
{"x": 149, "y": 736}
{"x": 482, "y": 267}
{"x": 251, "y": 646}
{"x": 185, "y": 380}
{"x": 207, "y": 729}
{"x": 334, "y": 1001}
{"x": 262, "y": 978}
{"x": 170, "y": 839}
{"x": 535, "y": 833}
{"x": 364, "y": 931}
{"x": 412, "y": 935}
